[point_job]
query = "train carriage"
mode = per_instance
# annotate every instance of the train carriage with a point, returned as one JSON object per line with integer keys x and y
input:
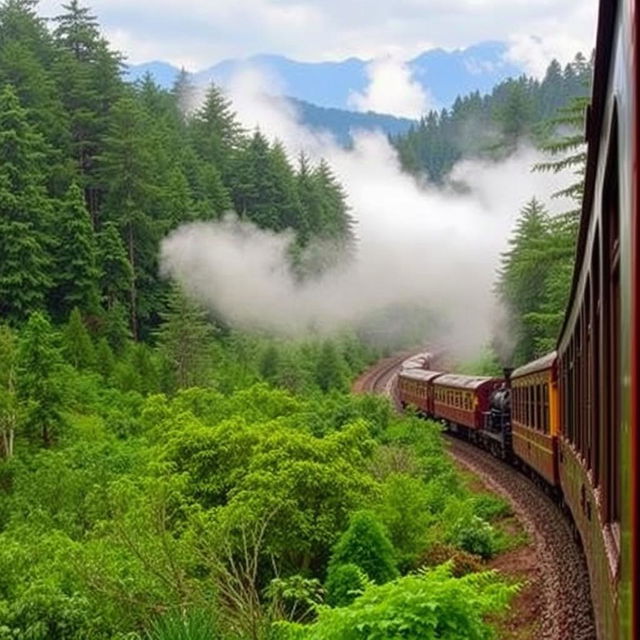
{"x": 534, "y": 416}
{"x": 464, "y": 401}
{"x": 415, "y": 388}
{"x": 598, "y": 345}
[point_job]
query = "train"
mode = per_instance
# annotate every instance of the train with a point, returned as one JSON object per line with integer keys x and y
{"x": 570, "y": 418}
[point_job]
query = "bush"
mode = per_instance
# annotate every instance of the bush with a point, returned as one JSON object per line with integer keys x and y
{"x": 366, "y": 544}
{"x": 462, "y": 562}
{"x": 474, "y": 535}
{"x": 431, "y": 605}
{"x": 194, "y": 625}
{"x": 345, "y": 582}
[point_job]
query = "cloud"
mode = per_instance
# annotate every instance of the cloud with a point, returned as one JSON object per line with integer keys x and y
{"x": 417, "y": 244}
{"x": 391, "y": 90}
{"x": 198, "y": 34}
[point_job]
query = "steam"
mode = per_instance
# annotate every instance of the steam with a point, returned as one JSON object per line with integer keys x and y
{"x": 391, "y": 90}
{"x": 416, "y": 243}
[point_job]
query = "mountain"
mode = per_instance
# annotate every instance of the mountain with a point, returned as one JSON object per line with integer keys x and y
{"x": 342, "y": 123}
{"x": 443, "y": 74}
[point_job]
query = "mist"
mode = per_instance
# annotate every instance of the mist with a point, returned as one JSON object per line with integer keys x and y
{"x": 417, "y": 243}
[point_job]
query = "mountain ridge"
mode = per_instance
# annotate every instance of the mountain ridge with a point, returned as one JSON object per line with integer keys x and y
{"x": 442, "y": 74}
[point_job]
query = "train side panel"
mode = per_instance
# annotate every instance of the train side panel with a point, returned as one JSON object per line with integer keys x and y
{"x": 534, "y": 417}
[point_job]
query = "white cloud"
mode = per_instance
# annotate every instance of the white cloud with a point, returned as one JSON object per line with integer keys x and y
{"x": 199, "y": 33}
{"x": 416, "y": 243}
{"x": 391, "y": 90}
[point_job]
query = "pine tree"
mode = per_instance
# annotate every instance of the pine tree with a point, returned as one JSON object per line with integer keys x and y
{"x": 105, "y": 360}
{"x": 570, "y": 149}
{"x": 522, "y": 278}
{"x": 76, "y": 342}
{"x": 183, "y": 340}
{"x": 184, "y": 93}
{"x": 330, "y": 371}
{"x": 115, "y": 269}
{"x": 9, "y": 405}
{"x": 215, "y": 131}
{"x": 127, "y": 167}
{"x": 76, "y": 273}
{"x": 39, "y": 386}
{"x": 24, "y": 214}
{"x": 88, "y": 76}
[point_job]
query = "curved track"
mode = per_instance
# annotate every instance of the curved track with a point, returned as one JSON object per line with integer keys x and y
{"x": 557, "y": 586}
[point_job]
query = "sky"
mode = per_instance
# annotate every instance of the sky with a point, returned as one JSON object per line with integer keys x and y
{"x": 199, "y": 33}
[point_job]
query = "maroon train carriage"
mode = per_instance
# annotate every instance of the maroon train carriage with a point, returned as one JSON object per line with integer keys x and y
{"x": 463, "y": 401}
{"x": 534, "y": 416}
{"x": 415, "y": 388}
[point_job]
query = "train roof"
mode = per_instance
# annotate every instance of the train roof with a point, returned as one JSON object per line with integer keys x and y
{"x": 541, "y": 364}
{"x": 420, "y": 374}
{"x": 463, "y": 382}
{"x": 417, "y": 361}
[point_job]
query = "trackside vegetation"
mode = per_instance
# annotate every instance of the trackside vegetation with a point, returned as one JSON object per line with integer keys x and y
{"x": 134, "y": 507}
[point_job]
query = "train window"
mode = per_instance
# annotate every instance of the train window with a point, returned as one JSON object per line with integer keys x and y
{"x": 545, "y": 408}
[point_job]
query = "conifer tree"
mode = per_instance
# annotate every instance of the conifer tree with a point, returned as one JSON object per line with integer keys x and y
{"x": 76, "y": 273}
{"x": 9, "y": 404}
{"x": 182, "y": 340}
{"x": 24, "y": 214}
{"x": 523, "y": 273}
{"x": 104, "y": 360}
{"x": 330, "y": 371}
{"x": 39, "y": 385}
{"x": 127, "y": 167}
{"x": 215, "y": 131}
{"x": 88, "y": 76}
{"x": 115, "y": 269}
{"x": 76, "y": 342}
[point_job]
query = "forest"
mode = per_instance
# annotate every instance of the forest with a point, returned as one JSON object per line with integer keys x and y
{"x": 165, "y": 475}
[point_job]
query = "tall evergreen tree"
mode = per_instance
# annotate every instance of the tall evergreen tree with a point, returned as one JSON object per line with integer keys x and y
{"x": 9, "y": 404}
{"x": 76, "y": 342}
{"x": 115, "y": 269}
{"x": 76, "y": 273}
{"x": 215, "y": 131}
{"x": 24, "y": 214}
{"x": 182, "y": 340}
{"x": 522, "y": 277}
{"x": 39, "y": 384}
{"x": 127, "y": 167}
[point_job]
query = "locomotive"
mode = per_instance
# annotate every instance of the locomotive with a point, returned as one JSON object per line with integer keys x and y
{"x": 571, "y": 417}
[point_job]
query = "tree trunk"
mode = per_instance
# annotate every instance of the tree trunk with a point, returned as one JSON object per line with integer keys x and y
{"x": 133, "y": 294}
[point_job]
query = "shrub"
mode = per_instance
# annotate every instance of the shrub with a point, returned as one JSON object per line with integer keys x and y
{"x": 462, "y": 562}
{"x": 194, "y": 625}
{"x": 344, "y": 583}
{"x": 366, "y": 544}
{"x": 431, "y": 605}
{"x": 474, "y": 535}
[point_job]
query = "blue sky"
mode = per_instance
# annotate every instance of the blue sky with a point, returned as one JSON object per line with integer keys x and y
{"x": 198, "y": 33}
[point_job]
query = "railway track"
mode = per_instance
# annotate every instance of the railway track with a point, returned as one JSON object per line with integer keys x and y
{"x": 557, "y": 595}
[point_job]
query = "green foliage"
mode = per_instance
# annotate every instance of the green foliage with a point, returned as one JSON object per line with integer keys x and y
{"x": 493, "y": 125}
{"x": 295, "y": 597}
{"x": 193, "y": 625}
{"x": 429, "y": 605}
{"x": 344, "y": 583}
{"x": 39, "y": 383}
{"x": 475, "y": 535}
{"x": 182, "y": 341}
{"x": 77, "y": 345}
{"x": 366, "y": 544}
